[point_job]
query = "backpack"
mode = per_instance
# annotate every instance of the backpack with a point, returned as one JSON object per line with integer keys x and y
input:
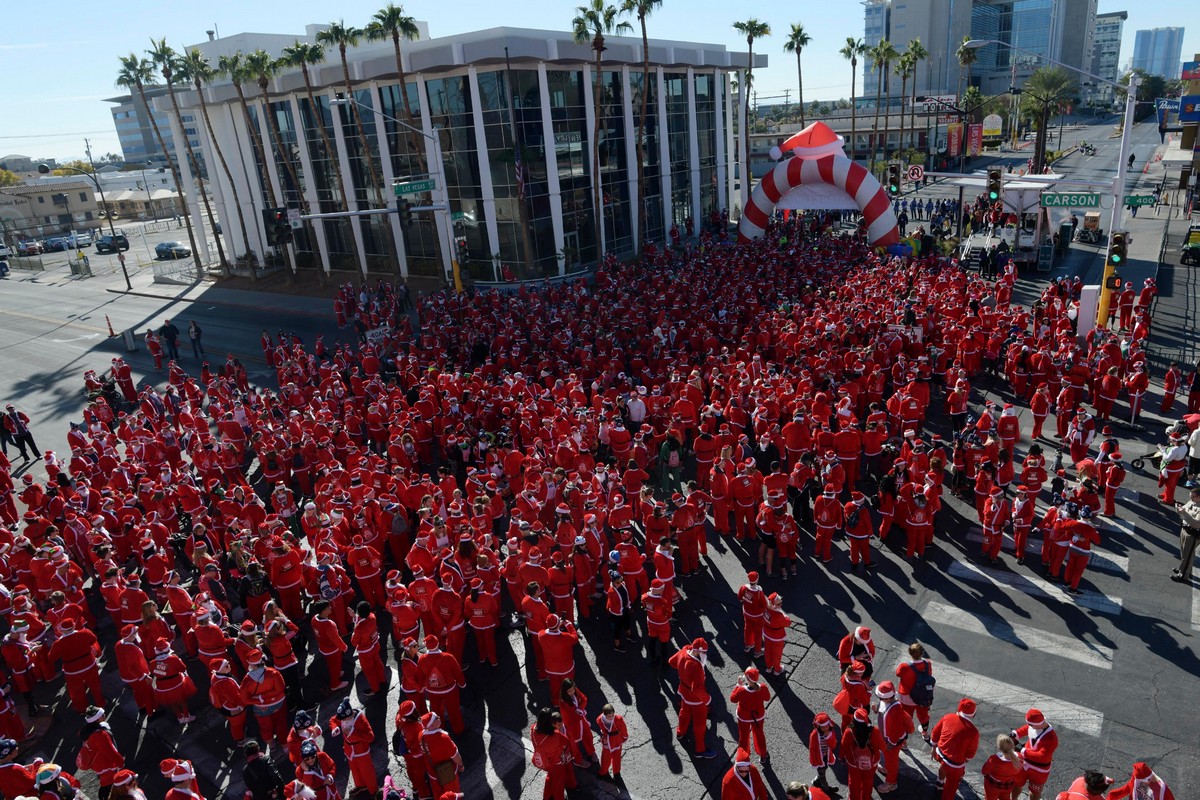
{"x": 852, "y": 519}
{"x": 922, "y": 690}
{"x": 858, "y": 757}
{"x": 673, "y": 459}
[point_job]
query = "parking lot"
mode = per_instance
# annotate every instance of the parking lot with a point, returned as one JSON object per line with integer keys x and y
{"x": 143, "y": 237}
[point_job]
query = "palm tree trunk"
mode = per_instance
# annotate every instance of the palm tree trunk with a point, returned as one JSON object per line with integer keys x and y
{"x": 747, "y": 180}
{"x": 598, "y": 213}
{"x": 641, "y": 140}
{"x": 366, "y": 151}
{"x": 331, "y": 156}
{"x": 191, "y": 154}
{"x": 237, "y": 203}
{"x": 800, "y": 86}
{"x": 887, "y": 117}
{"x": 179, "y": 200}
{"x": 912, "y": 112}
{"x": 853, "y": 108}
{"x": 260, "y": 151}
{"x": 875, "y": 124}
{"x": 903, "y": 94}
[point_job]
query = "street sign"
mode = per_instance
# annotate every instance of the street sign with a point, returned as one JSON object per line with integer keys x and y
{"x": 1139, "y": 199}
{"x": 414, "y": 187}
{"x": 916, "y": 172}
{"x": 1070, "y": 200}
{"x": 458, "y": 216}
{"x": 294, "y": 219}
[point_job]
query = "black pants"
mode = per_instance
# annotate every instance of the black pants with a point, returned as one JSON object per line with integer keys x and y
{"x": 172, "y": 348}
{"x": 620, "y": 625}
{"x": 21, "y": 440}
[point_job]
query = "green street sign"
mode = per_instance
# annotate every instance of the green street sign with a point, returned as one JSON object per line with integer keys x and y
{"x": 1139, "y": 199}
{"x": 1070, "y": 200}
{"x": 458, "y": 215}
{"x": 414, "y": 187}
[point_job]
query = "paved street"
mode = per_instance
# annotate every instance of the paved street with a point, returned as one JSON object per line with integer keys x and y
{"x": 1115, "y": 670}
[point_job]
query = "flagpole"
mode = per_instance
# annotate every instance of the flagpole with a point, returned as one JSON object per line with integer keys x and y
{"x": 519, "y": 166}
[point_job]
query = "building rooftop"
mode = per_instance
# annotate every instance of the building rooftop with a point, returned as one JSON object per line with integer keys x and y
{"x": 47, "y": 186}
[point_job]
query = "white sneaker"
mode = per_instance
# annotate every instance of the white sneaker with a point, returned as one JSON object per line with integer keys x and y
{"x": 884, "y": 788}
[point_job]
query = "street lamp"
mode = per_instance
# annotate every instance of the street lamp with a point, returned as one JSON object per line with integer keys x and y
{"x": 342, "y": 100}
{"x": 1118, "y": 190}
{"x": 45, "y": 170}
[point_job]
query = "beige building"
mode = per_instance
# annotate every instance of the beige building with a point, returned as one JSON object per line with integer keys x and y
{"x": 34, "y": 210}
{"x": 140, "y": 204}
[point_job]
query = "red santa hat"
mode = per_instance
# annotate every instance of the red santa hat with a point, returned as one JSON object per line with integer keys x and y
{"x": 862, "y": 634}
{"x": 752, "y": 674}
{"x": 254, "y": 657}
{"x": 1035, "y": 717}
{"x": 966, "y": 707}
{"x": 123, "y": 777}
{"x": 552, "y": 622}
{"x": 699, "y": 644}
{"x": 1142, "y": 771}
{"x": 822, "y": 719}
{"x": 741, "y": 758}
{"x": 861, "y": 715}
{"x": 431, "y": 721}
{"x": 885, "y": 690}
{"x": 431, "y": 642}
{"x": 181, "y": 771}
{"x": 752, "y": 576}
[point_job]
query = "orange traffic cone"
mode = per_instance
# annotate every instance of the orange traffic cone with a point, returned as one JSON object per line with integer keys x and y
{"x": 111, "y": 333}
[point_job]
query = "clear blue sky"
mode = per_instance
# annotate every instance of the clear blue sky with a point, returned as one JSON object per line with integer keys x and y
{"x": 52, "y": 86}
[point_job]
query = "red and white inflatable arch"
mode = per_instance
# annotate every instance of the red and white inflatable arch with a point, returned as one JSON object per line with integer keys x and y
{"x": 819, "y": 159}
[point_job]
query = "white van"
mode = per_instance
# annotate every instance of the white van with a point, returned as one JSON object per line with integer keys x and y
{"x": 4, "y": 251}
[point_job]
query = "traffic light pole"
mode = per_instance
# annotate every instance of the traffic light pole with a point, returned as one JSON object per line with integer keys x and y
{"x": 1118, "y": 191}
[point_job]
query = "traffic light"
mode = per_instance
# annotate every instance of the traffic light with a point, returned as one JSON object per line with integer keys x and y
{"x": 1116, "y": 250}
{"x": 893, "y": 183}
{"x": 994, "y": 190}
{"x": 461, "y": 251}
{"x": 277, "y": 227}
{"x": 404, "y": 209}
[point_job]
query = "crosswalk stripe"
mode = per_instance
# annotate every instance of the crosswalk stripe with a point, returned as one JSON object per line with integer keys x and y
{"x": 1036, "y": 587}
{"x": 1032, "y": 639}
{"x": 1060, "y": 713}
{"x": 1105, "y": 562}
{"x": 1195, "y": 610}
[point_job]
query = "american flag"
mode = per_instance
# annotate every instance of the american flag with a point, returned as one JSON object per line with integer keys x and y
{"x": 519, "y": 168}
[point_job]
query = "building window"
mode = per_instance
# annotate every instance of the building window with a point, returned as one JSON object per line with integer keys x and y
{"x": 83, "y": 197}
{"x": 41, "y": 199}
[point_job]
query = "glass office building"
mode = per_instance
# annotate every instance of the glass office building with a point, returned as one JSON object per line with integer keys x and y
{"x": 494, "y": 100}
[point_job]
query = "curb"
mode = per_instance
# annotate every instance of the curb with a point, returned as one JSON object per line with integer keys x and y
{"x": 222, "y": 303}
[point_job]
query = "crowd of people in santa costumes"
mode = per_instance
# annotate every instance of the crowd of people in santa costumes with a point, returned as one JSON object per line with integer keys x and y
{"x": 537, "y": 461}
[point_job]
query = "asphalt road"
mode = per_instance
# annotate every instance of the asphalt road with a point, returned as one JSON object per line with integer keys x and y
{"x": 1115, "y": 672}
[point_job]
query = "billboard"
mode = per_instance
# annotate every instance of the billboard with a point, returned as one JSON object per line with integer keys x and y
{"x": 954, "y": 132}
{"x": 992, "y": 126}
{"x": 1189, "y": 108}
{"x": 974, "y": 139}
{"x": 935, "y": 102}
{"x": 1191, "y": 71}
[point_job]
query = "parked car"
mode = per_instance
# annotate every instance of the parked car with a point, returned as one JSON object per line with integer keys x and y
{"x": 171, "y": 250}
{"x": 30, "y": 248}
{"x": 4, "y": 251}
{"x": 107, "y": 243}
{"x": 83, "y": 238}
{"x": 56, "y": 244}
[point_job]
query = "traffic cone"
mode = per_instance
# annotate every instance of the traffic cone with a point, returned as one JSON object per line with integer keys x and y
{"x": 111, "y": 333}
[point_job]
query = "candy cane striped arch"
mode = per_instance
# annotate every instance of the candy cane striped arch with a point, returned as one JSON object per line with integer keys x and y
{"x": 834, "y": 170}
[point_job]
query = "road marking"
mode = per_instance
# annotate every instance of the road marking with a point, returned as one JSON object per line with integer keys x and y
{"x": 53, "y": 321}
{"x": 1060, "y": 713}
{"x": 1104, "y": 562}
{"x": 1195, "y": 610}
{"x": 1022, "y": 636}
{"x": 1036, "y": 587}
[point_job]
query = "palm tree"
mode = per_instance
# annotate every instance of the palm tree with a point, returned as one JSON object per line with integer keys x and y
{"x": 904, "y": 70}
{"x": 342, "y": 36}
{"x": 302, "y": 54}
{"x": 919, "y": 54}
{"x": 642, "y": 9}
{"x": 234, "y": 67}
{"x": 882, "y": 56}
{"x": 391, "y": 22}
{"x": 134, "y": 74}
{"x": 752, "y": 29}
{"x": 261, "y": 66}
{"x": 167, "y": 60}
{"x": 966, "y": 57}
{"x": 1044, "y": 91}
{"x": 797, "y": 40}
{"x": 851, "y": 50}
{"x": 194, "y": 66}
{"x": 592, "y": 22}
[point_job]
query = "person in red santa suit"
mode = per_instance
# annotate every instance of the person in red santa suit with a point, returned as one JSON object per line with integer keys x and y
{"x": 552, "y": 754}
{"x": 1174, "y": 460}
{"x": 775, "y": 625}
{"x": 895, "y": 726}
{"x": 316, "y": 773}
{"x": 694, "y": 699}
{"x": 955, "y": 742}
{"x": 442, "y": 678}
{"x": 78, "y": 650}
{"x": 439, "y": 749}
{"x": 1079, "y": 549}
{"x": 754, "y": 606}
{"x": 1008, "y": 428}
{"x": 1023, "y": 510}
{"x": 265, "y": 693}
{"x": 483, "y": 616}
{"x": 862, "y": 747}
{"x": 355, "y": 730}
{"x": 1002, "y": 770}
{"x": 857, "y": 646}
{"x": 1143, "y": 783}
{"x": 365, "y": 639}
{"x": 859, "y": 530}
{"x": 751, "y": 696}
{"x": 183, "y": 780}
{"x": 407, "y": 743}
{"x": 558, "y": 642}
{"x": 658, "y": 621}
{"x": 743, "y": 781}
{"x": 828, "y": 516}
{"x": 172, "y": 684}
{"x": 822, "y": 747}
{"x": 1114, "y": 476}
{"x": 1091, "y": 785}
{"x": 329, "y": 643}
{"x": 99, "y": 750}
{"x": 997, "y": 512}
{"x": 1080, "y": 433}
{"x": 1041, "y": 740}
{"x": 613, "y": 735}
{"x": 226, "y": 697}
